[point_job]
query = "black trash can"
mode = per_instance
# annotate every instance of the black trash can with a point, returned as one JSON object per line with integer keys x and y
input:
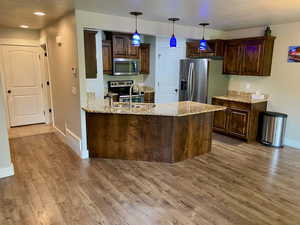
{"x": 273, "y": 129}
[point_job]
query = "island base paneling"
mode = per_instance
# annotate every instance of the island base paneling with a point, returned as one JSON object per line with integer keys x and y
{"x": 148, "y": 138}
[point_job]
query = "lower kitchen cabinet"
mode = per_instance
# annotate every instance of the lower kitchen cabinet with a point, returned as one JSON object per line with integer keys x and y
{"x": 149, "y": 97}
{"x": 239, "y": 120}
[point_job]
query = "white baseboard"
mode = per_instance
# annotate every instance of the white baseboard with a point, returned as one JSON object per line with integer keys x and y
{"x": 292, "y": 143}
{"x": 7, "y": 171}
{"x": 73, "y": 141}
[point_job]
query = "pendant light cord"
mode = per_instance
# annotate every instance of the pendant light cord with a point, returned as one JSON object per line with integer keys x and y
{"x": 203, "y": 32}
{"x": 136, "y": 24}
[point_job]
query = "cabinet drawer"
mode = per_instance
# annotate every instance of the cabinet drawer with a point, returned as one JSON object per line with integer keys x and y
{"x": 220, "y": 102}
{"x": 240, "y": 105}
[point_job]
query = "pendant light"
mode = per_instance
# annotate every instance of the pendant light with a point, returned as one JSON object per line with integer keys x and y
{"x": 203, "y": 43}
{"x": 173, "y": 41}
{"x": 136, "y": 37}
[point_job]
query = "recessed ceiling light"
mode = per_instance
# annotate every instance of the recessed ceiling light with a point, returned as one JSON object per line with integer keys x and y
{"x": 39, "y": 13}
{"x": 24, "y": 26}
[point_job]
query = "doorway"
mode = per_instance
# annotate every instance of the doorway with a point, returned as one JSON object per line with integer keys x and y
{"x": 24, "y": 84}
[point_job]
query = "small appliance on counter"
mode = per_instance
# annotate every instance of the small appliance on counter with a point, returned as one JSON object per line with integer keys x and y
{"x": 122, "y": 88}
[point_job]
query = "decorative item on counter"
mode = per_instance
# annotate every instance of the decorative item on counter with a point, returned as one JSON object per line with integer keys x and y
{"x": 136, "y": 37}
{"x": 268, "y": 31}
{"x": 294, "y": 54}
{"x": 203, "y": 42}
{"x": 173, "y": 41}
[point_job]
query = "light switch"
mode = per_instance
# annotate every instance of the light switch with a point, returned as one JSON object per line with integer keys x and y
{"x": 74, "y": 90}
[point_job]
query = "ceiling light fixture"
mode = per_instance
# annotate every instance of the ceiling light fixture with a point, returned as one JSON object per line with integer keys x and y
{"x": 203, "y": 43}
{"x": 39, "y": 13}
{"x": 173, "y": 41}
{"x": 24, "y": 26}
{"x": 136, "y": 37}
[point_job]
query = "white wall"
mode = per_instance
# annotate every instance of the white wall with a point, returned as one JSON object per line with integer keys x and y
{"x": 283, "y": 84}
{"x": 65, "y": 84}
{"x": 6, "y": 167}
{"x": 19, "y": 36}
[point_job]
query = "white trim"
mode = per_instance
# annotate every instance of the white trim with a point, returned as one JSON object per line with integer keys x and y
{"x": 73, "y": 141}
{"x": 20, "y": 42}
{"x": 292, "y": 143}
{"x": 7, "y": 171}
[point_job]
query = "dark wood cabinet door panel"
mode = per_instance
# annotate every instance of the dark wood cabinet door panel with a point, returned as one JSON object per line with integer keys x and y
{"x": 220, "y": 121}
{"x": 149, "y": 97}
{"x": 90, "y": 54}
{"x": 145, "y": 58}
{"x": 133, "y": 51}
{"x": 107, "y": 57}
{"x": 120, "y": 46}
{"x": 253, "y": 57}
{"x": 238, "y": 122}
{"x": 232, "y": 57}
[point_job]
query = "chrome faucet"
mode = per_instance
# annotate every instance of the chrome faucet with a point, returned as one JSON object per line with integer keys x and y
{"x": 111, "y": 100}
{"x": 130, "y": 93}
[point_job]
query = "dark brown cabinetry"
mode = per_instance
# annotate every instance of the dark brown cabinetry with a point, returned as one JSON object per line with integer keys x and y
{"x": 122, "y": 47}
{"x": 215, "y": 48}
{"x": 240, "y": 119}
{"x": 145, "y": 58}
{"x": 90, "y": 54}
{"x": 107, "y": 57}
{"x": 149, "y": 97}
{"x": 248, "y": 56}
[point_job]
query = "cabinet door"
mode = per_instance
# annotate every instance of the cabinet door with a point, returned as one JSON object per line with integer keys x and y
{"x": 107, "y": 57}
{"x": 149, "y": 97}
{"x": 133, "y": 51}
{"x": 120, "y": 46}
{"x": 238, "y": 121}
{"x": 232, "y": 57}
{"x": 145, "y": 58}
{"x": 220, "y": 121}
{"x": 253, "y": 57}
{"x": 90, "y": 54}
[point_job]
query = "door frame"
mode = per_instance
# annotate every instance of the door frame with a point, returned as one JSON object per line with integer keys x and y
{"x": 44, "y": 74}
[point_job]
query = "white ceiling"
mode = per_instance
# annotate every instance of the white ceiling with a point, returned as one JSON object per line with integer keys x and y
{"x": 222, "y": 14}
{"x": 14, "y": 13}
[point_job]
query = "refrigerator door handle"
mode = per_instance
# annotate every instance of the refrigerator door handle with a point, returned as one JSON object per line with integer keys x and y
{"x": 189, "y": 82}
{"x": 192, "y": 82}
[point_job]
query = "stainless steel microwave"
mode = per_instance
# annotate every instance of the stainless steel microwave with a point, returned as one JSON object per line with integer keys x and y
{"x": 123, "y": 66}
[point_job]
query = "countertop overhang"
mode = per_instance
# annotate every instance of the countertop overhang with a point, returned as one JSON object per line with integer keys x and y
{"x": 184, "y": 108}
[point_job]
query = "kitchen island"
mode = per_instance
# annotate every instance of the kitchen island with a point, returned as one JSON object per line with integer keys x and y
{"x": 150, "y": 132}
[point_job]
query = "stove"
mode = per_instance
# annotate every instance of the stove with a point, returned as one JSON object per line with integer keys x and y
{"x": 122, "y": 88}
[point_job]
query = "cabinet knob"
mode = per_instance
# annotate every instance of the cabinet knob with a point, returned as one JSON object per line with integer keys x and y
{"x": 9, "y": 91}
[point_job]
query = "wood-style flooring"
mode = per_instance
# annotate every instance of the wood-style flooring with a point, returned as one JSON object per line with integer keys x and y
{"x": 237, "y": 183}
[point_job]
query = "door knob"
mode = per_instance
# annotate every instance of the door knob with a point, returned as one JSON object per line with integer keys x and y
{"x": 9, "y": 91}
{"x": 176, "y": 90}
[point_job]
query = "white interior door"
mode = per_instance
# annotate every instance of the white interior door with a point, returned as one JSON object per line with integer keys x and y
{"x": 167, "y": 70}
{"x": 22, "y": 71}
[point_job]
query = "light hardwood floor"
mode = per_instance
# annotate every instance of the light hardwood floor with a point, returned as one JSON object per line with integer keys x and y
{"x": 237, "y": 183}
{"x": 30, "y": 130}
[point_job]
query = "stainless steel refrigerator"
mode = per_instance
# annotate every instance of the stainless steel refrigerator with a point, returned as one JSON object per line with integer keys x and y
{"x": 200, "y": 79}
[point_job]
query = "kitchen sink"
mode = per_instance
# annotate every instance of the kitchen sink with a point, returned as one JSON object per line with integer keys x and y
{"x": 134, "y": 105}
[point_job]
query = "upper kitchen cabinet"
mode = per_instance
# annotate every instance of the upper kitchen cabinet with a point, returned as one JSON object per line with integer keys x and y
{"x": 145, "y": 58}
{"x": 107, "y": 57}
{"x": 215, "y": 48}
{"x": 122, "y": 47}
{"x": 248, "y": 56}
{"x": 90, "y": 54}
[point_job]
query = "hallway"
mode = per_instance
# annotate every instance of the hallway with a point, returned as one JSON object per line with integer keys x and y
{"x": 238, "y": 183}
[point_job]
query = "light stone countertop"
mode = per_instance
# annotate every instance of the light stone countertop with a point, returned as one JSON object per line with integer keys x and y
{"x": 242, "y": 99}
{"x": 169, "y": 109}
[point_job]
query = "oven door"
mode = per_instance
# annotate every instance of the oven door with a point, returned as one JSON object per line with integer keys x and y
{"x": 126, "y": 66}
{"x": 135, "y": 98}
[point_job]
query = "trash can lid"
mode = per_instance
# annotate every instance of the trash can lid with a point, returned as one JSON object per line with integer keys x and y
{"x": 275, "y": 114}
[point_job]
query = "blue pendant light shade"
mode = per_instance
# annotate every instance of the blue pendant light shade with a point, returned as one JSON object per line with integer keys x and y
{"x": 136, "y": 37}
{"x": 203, "y": 42}
{"x": 173, "y": 41}
{"x": 203, "y": 45}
